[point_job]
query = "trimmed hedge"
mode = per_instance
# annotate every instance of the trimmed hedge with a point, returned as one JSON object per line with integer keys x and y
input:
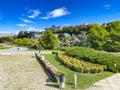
{"x": 97, "y": 57}
{"x": 80, "y": 66}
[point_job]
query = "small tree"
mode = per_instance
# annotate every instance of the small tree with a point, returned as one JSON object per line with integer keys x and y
{"x": 33, "y": 43}
{"x": 49, "y": 40}
{"x": 97, "y": 36}
{"x": 18, "y": 41}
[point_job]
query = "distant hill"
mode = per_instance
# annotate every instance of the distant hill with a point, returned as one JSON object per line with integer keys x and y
{"x": 7, "y": 34}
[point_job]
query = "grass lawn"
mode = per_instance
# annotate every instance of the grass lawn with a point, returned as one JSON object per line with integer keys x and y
{"x": 83, "y": 80}
{"x": 1, "y": 47}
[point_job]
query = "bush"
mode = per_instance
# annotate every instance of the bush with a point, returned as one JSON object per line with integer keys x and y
{"x": 54, "y": 52}
{"x": 93, "y": 56}
{"x": 79, "y": 65}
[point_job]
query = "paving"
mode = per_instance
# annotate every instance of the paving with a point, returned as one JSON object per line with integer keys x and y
{"x": 110, "y": 83}
{"x": 22, "y": 50}
{"x": 23, "y": 72}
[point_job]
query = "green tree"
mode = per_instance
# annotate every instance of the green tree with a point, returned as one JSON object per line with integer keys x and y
{"x": 33, "y": 43}
{"x": 114, "y": 30}
{"x": 26, "y": 41}
{"x": 49, "y": 40}
{"x": 82, "y": 39}
{"x": 18, "y": 41}
{"x": 6, "y": 39}
{"x": 61, "y": 37}
{"x": 65, "y": 42}
{"x": 115, "y": 25}
{"x": 97, "y": 36}
{"x": 113, "y": 44}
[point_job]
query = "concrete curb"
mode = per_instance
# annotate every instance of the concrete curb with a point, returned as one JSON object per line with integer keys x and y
{"x": 47, "y": 65}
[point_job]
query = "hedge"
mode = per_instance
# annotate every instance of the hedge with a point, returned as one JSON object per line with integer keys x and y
{"x": 79, "y": 65}
{"x": 97, "y": 57}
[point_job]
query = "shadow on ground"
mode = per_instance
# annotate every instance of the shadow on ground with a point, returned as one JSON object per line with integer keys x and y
{"x": 52, "y": 85}
{"x": 51, "y": 80}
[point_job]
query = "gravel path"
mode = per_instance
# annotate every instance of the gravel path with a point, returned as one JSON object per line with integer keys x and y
{"x": 22, "y": 72}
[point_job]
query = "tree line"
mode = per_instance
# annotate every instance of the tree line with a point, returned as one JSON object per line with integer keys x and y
{"x": 101, "y": 37}
{"x": 105, "y": 37}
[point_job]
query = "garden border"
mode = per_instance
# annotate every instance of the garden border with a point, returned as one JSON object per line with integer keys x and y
{"x": 47, "y": 65}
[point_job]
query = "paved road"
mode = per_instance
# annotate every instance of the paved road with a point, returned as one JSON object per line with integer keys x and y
{"x": 23, "y": 72}
{"x": 110, "y": 83}
{"x": 22, "y": 50}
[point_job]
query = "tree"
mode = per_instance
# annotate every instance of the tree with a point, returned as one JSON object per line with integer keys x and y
{"x": 114, "y": 25}
{"x": 18, "y": 41}
{"x": 26, "y": 41}
{"x": 49, "y": 40}
{"x": 82, "y": 39}
{"x": 33, "y": 43}
{"x": 61, "y": 37}
{"x": 20, "y": 34}
{"x": 114, "y": 30}
{"x": 113, "y": 44}
{"x": 6, "y": 39}
{"x": 27, "y": 34}
{"x": 97, "y": 36}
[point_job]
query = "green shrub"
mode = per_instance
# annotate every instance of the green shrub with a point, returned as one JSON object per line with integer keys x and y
{"x": 97, "y": 57}
{"x": 54, "y": 52}
{"x": 79, "y": 65}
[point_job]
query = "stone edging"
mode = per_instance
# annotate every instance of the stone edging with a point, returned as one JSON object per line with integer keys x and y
{"x": 47, "y": 65}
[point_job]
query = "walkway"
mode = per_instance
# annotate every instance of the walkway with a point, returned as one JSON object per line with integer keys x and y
{"x": 23, "y": 72}
{"x": 110, "y": 83}
{"x": 22, "y": 50}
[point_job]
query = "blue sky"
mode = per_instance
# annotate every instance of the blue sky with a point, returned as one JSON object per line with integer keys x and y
{"x": 18, "y": 15}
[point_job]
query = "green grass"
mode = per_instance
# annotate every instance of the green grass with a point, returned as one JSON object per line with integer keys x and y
{"x": 2, "y": 47}
{"x": 83, "y": 80}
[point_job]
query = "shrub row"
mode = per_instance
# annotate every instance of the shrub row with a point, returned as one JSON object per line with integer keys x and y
{"x": 80, "y": 66}
{"x": 96, "y": 57}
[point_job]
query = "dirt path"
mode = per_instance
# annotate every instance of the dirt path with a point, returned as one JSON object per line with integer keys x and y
{"x": 22, "y": 72}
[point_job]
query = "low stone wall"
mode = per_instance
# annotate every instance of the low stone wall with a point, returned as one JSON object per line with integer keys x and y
{"x": 47, "y": 65}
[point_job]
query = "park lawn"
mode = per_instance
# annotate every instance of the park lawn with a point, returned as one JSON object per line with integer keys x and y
{"x": 1, "y": 47}
{"x": 83, "y": 80}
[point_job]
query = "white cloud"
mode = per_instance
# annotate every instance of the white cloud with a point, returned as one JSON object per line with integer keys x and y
{"x": 56, "y": 13}
{"x": 26, "y": 21}
{"x": 21, "y": 25}
{"x": 107, "y": 6}
{"x": 34, "y": 13}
